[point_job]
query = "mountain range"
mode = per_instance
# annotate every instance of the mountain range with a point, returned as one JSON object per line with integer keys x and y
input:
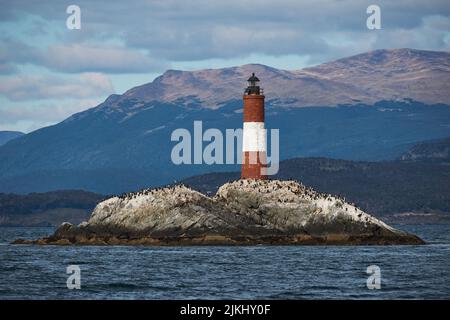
{"x": 400, "y": 191}
{"x": 435, "y": 150}
{"x": 395, "y": 191}
{"x": 47, "y": 209}
{"x": 365, "y": 78}
{"x": 6, "y": 136}
{"x": 372, "y": 106}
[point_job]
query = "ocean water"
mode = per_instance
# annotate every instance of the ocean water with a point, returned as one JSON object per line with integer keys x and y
{"x": 219, "y": 272}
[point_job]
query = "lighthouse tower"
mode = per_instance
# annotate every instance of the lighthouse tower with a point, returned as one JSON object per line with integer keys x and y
{"x": 254, "y": 134}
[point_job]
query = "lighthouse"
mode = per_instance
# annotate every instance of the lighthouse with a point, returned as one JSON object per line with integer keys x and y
{"x": 254, "y": 133}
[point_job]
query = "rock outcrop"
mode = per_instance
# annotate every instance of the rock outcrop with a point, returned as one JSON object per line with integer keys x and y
{"x": 241, "y": 212}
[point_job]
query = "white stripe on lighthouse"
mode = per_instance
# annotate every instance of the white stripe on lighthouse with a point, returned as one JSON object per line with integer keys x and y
{"x": 254, "y": 137}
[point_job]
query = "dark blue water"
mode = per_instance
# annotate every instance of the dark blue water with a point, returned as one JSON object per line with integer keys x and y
{"x": 260, "y": 272}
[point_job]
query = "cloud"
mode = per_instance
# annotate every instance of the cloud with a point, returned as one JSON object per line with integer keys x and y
{"x": 154, "y": 33}
{"x": 433, "y": 32}
{"x": 13, "y": 52}
{"x": 229, "y": 42}
{"x": 25, "y": 117}
{"x": 30, "y": 87}
{"x": 75, "y": 58}
{"x": 206, "y": 30}
{"x": 7, "y": 68}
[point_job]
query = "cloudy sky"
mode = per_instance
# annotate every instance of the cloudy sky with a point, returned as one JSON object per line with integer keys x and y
{"x": 48, "y": 72}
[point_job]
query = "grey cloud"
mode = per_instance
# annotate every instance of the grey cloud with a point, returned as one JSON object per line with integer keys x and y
{"x": 30, "y": 87}
{"x": 195, "y": 30}
{"x": 310, "y": 14}
{"x": 14, "y": 52}
{"x": 228, "y": 42}
{"x": 7, "y": 68}
{"x": 88, "y": 58}
{"x": 430, "y": 34}
{"x": 77, "y": 57}
{"x": 22, "y": 117}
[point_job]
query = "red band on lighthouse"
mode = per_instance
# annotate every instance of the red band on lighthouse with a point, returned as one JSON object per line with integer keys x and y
{"x": 254, "y": 132}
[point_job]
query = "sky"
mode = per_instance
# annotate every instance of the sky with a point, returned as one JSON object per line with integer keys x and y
{"x": 49, "y": 72}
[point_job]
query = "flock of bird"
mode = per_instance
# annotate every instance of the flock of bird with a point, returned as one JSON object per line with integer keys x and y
{"x": 263, "y": 186}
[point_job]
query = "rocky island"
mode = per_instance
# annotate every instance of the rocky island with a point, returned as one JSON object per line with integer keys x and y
{"x": 242, "y": 212}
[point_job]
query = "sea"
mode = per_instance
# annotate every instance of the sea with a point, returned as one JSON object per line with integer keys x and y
{"x": 225, "y": 272}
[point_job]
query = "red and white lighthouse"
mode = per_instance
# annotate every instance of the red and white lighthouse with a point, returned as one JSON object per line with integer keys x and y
{"x": 254, "y": 133}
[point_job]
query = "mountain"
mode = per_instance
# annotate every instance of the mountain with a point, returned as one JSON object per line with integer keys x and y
{"x": 6, "y": 136}
{"x": 125, "y": 144}
{"x": 50, "y": 208}
{"x": 395, "y": 191}
{"x": 435, "y": 150}
{"x": 365, "y": 78}
{"x": 392, "y": 74}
